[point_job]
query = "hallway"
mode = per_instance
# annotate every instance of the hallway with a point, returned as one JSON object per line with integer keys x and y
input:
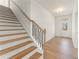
{"x": 60, "y": 48}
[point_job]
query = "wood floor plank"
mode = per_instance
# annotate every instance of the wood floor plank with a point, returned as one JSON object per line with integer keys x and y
{"x": 2, "y": 52}
{"x": 4, "y": 35}
{"x": 59, "y": 48}
{"x": 35, "y": 56}
{"x": 23, "y": 53}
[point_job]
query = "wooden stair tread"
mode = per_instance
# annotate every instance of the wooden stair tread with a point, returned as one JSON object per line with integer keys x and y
{"x": 1, "y": 19}
{"x": 4, "y": 12}
{"x": 23, "y": 53}
{"x": 9, "y": 22}
{"x": 5, "y": 16}
{"x": 35, "y": 56}
{"x": 9, "y": 19}
{"x": 11, "y": 25}
{"x": 12, "y": 40}
{"x": 2, "y": 52}
{"x": 10, "y": 29}
{"x": 3, "y": 35}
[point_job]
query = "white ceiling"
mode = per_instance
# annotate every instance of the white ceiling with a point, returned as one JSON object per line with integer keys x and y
{"x": 53, "y": 5}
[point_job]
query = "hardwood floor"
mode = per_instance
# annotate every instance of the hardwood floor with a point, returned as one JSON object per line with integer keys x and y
{"x": 60, "y": 48}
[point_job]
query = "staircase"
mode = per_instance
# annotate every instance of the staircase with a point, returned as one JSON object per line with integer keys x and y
{"x": 14, "y": 40}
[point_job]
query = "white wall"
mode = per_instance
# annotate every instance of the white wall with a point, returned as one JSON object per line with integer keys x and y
{"x": 25, "y": 6}
{"x": 75, "y": 24}
{"x": 59, "y": 21}
{"x": 44, "y": 18}
{"x": 4, "y": 2}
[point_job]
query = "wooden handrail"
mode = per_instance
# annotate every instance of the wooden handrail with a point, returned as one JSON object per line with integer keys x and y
{"x": 37, "y": 25}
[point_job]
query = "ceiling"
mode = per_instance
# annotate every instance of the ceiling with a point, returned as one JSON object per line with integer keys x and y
{"x": 58, "y": 7}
